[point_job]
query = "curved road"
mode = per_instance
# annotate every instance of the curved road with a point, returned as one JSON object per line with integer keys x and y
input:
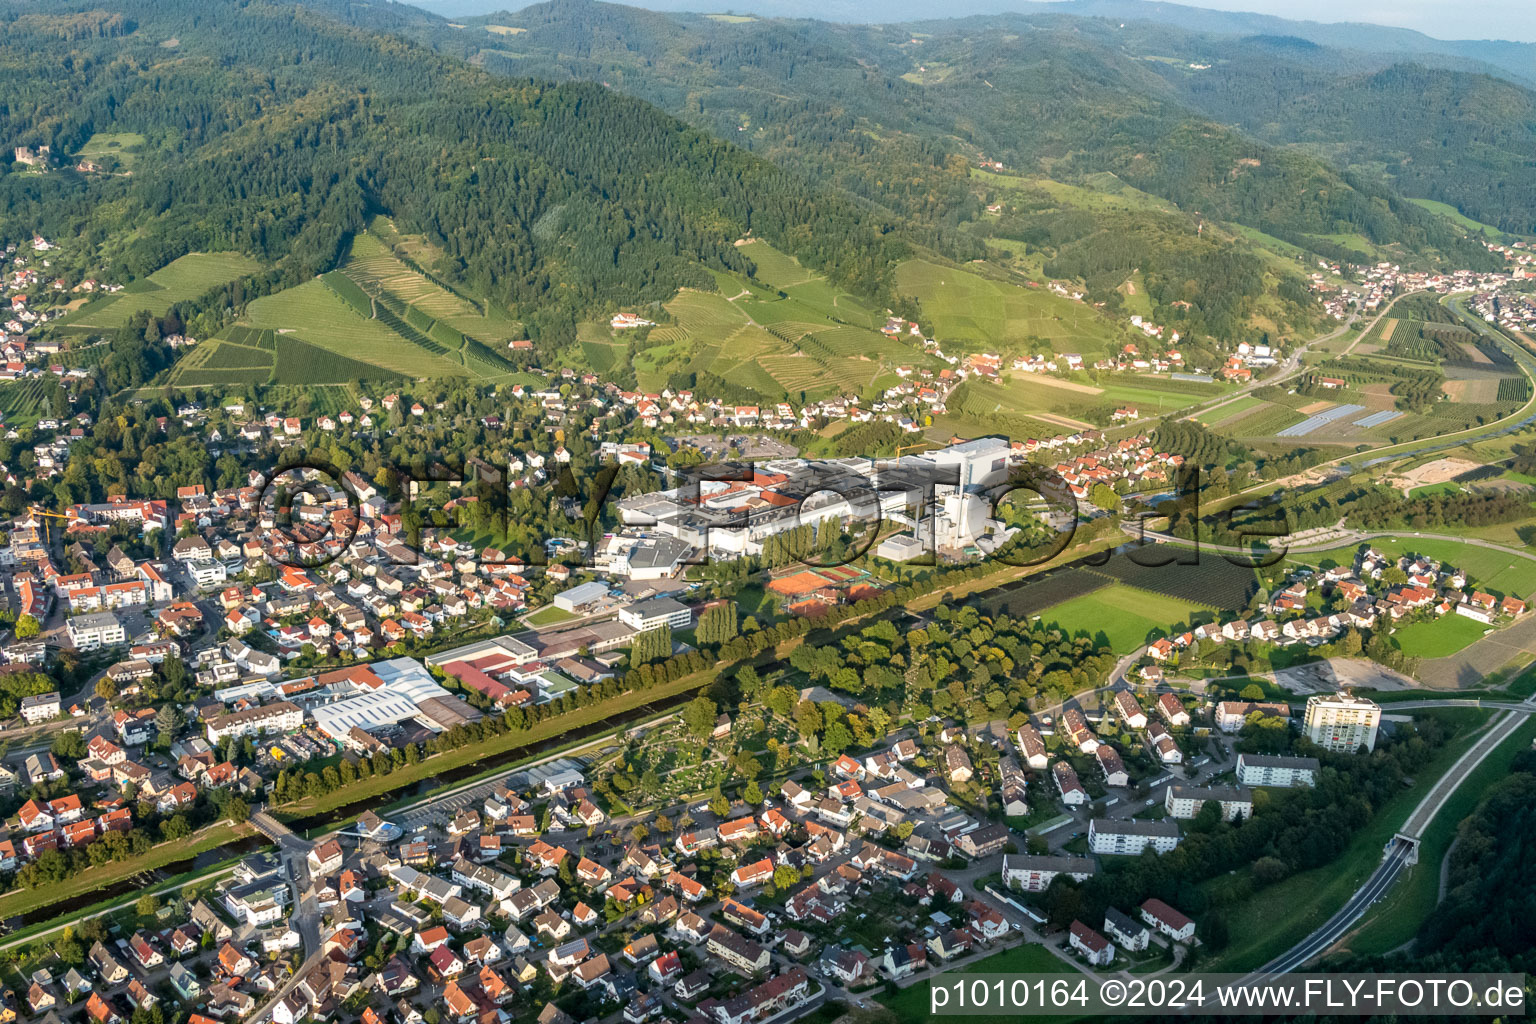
{"x": 1399, "y": 850}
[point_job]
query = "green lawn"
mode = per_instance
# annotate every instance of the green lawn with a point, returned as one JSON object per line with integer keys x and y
{"x": 1397, "y": 918}
{"x": 1276, "y": 917}
{"x": 1129, "y": 617}
{"x": 1436, "y": 638}
{"x": 912, "y": 1004}
{"x": 548, "y": 616}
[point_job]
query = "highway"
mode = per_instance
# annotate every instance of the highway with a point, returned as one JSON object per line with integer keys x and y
{"x": 1399, "y": 852}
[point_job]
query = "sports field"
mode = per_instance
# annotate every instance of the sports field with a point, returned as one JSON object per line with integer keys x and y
{"x": 1127, "y": 616}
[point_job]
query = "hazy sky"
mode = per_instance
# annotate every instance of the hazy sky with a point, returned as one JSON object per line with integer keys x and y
{"x": 1443, "y": 19}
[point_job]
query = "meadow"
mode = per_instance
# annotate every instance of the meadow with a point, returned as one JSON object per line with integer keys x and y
{"x": 120, "y": 146}
{"x": 178, "y": 281}
{"x": 911, "y": 1004}
{"x": 977, "y": 312}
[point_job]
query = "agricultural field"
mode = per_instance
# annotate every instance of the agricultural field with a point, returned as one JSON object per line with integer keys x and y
{"x": 1213, "y": 582}
{"x": 1229, "y": 413}
{"x": 1071, "y": 404}
{"x": 373, "y": 264}
{"x": 1128, "y": 616}
{"x": 1034, "y": 594}
{"x": 780, "y": 334}
{"x": 178, "y": 281}
{"x": 976, "y": 312}
{"x": 316, "y": 314}
{"x": 234, "y": 356}
{"x": 24, "y": 402}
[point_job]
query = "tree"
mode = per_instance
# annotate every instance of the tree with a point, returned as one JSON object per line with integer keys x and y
{"x": 719, "y": 806}
{"x": 1207, "y": 818}
{"x": 106, "y": 689}
{"x": 168, "y": 720}
{"x": 148, "y": 905}
{"x": 699, "y": 715}
{"x": 639, "y": 833}
{"x": 1105, "y": 498}
{"x": 237, "y": 810}
{"x": 69, "y": 745}
{"x": 27, "y": 627}
{"x": 1253, "y": 691}
{"x": 752, "y": 793}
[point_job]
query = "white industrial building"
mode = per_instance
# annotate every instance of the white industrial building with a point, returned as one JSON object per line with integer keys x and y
{"x": 404, "y": 691}
{"x": 580, "y": 596}
{"x": 655, "y": 613}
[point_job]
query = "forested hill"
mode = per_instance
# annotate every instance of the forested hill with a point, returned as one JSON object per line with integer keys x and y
{"x": 1459, "y": 138}
{"x": 884, "y": 111}
{"x": 275, "y": 130}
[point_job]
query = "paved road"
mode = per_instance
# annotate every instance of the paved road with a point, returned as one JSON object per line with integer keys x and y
{"x": 1287, "y": 368}
{"x": 305, "y": 919}
{"x": 1399, "y": 851}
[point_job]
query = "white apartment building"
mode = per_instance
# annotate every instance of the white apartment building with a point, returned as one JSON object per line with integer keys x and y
{"x": 1342, "y": 722}
{"x": 279, "y": 716}
{"x": 42, "y": 707}
{"x": 1130, "y": 836}
{"x": 99, "y": 629}
{"x": 1033, "y": 873}
{"x": 207, "y": 574}
{"x": 1281, "y": 772}
{"x": 1186, "y": 801}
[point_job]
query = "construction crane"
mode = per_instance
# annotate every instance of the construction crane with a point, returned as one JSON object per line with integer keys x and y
{"x": 906, "y": 447}
{"x": 34, "y": 510}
